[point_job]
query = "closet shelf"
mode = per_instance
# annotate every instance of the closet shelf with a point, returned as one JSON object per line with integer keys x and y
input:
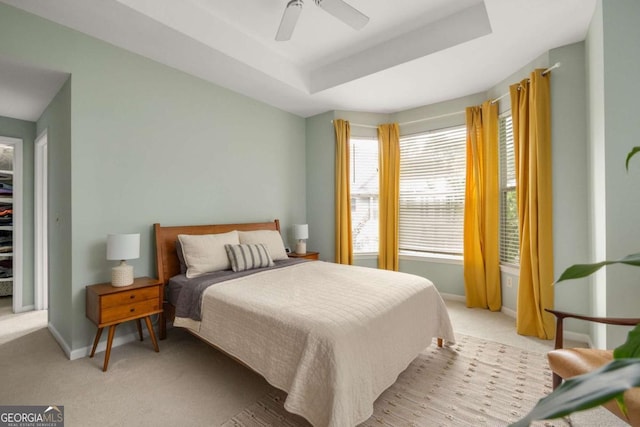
{"x": 7, "y": 177}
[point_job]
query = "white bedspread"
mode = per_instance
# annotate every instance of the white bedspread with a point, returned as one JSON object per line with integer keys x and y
{"x": 334, "y": 337}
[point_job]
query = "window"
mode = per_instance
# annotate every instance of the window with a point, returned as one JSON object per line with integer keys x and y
{"x": 364, "y": 194}
{"x": 432, "y": 190}
{"x": 509, "y": 238}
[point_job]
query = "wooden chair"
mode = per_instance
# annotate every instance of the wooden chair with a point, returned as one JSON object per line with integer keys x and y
{"x": 569, "y": 362}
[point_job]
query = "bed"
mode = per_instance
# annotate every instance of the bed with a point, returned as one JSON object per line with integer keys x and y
{"x": 333, "y": 337}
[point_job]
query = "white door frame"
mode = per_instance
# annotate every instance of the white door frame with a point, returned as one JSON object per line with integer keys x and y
{"x": 17, "y": 222}
{"x": 41, "y": 230}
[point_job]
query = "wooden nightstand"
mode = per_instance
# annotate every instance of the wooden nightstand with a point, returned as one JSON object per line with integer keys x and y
{"x": 308, "y": 255}
{"x": 110, "y": 306}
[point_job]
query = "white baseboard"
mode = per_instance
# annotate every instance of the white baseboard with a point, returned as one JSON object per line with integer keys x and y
{"x": 573, "y": 336}
{"x": 26, "y": 308}
{"x": 508, "y": 312}
{"x": 460, "y": 298}
{"x": 576, "y": 336}
{"x": 454, "y": 297}
{"x": 102, "y": 345}
{"x": 61, "y": 342}
{"x": 81, "y": 352}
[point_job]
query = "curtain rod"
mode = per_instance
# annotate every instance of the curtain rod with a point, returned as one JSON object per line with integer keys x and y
{"x": 409, "y": 122}
{"x": 553, "y": 67}
{"x": 361, "y": 125}
{"x": 433, "y": 117}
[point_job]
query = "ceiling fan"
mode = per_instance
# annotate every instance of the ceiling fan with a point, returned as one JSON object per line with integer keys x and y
{"x": 338, "y": 8}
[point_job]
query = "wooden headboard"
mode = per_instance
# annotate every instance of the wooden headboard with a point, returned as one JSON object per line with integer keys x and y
{"x": 166, "y": 257}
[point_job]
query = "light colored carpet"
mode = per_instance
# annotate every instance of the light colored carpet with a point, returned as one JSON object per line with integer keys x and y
{"x": 187, "y": 384}
{"x": 475, "y": 382}
{"x": 13, "y": 326}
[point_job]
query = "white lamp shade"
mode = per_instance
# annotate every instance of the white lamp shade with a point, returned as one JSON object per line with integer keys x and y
{"x": 301, "y": 231}
{"x": 123, "y": 246}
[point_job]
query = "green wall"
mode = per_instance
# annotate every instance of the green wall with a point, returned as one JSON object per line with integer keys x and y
{"x": 622, "y": 66}
{"x": 320, "y": 171}
{"x": 26, "y": 131}
{"x": 146, "y": 144}
{"x": 614, "y": 64}
{"x": 569, "y": 135}
{"x": 56, "y": 121}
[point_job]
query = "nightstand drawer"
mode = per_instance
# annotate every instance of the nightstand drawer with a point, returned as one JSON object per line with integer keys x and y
{"x": 108, "y": 306}
{"x": 122, "y": 312}
{"x": 124, "y": 298}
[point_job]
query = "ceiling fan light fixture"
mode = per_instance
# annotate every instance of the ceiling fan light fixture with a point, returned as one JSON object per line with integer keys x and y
{"x": 289, "y": 20}
{"x": 344, "y": 12}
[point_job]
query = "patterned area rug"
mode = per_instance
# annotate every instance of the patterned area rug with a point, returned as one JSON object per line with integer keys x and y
{"x": 475, "y": 382}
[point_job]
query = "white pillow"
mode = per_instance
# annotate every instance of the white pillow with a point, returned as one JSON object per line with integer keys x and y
{"x": 206, "y": 253}
{"x": 271, "y": 239}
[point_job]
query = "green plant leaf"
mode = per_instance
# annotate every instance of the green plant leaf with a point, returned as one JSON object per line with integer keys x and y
{"x": 633, "y": 151}
{"x": 586, "y": 391}
{"x": 631, "y": 347}
{"x": 578, "y": 271}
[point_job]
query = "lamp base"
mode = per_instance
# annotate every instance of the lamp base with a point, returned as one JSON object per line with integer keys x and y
{"x": 301, "y": 247}
{"x": 122, "y": 275}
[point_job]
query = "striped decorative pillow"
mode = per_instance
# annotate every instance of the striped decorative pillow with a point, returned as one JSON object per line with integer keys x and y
{"x": 248, "y": 256}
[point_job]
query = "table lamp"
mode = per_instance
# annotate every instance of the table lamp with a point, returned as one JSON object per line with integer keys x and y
{"x": 122, "y": 247}
{"x": 301, "y": 233}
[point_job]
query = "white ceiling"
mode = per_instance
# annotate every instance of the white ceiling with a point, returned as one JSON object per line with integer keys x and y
{"x": 25, "y": 91}
{"x": 411, "y": 53}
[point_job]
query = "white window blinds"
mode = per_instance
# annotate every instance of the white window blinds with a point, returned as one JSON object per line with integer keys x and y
{"x": 364, "y": 194}
{"x": 509, "y": 240}
{"x": 432, "y": 188}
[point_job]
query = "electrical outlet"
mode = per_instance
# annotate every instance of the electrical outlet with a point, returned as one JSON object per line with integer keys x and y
{"x": 509, "y": 282}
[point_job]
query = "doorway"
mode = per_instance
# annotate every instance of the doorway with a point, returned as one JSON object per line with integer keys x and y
{"x": 11, "y": 219}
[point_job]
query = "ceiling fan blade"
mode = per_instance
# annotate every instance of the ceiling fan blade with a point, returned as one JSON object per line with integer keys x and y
{"x": 289, "y": 20}
{"x": 344, "y": 12}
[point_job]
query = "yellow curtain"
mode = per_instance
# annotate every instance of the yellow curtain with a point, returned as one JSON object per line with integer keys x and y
{"x": 530, "y": 110}
{"x": 389, "y": 171}
{"x": 482, "y": 209}
{"x": 344, "y": 243}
